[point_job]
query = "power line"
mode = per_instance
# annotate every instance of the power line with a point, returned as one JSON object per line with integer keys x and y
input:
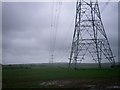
{"x": 51, "y": 27}
{"x": 67, "y": 33}
{"x": 65, "y": 38}
{"x": 51, "y": 30}
{"x": 58, "y": 10}
{"x": 64, "y": 41}
{"x": 66, "y": 52}
{"x": 56, "y": 7}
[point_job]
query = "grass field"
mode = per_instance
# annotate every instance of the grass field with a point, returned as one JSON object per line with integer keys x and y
{"x": 46, "y": 76}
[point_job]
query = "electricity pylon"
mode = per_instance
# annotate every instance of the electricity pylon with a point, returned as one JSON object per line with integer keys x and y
{"x": 89, "y": 35}
{"x": 51, "y": 59}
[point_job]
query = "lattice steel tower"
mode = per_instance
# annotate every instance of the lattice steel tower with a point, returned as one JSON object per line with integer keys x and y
{"x": 89, "y": 35}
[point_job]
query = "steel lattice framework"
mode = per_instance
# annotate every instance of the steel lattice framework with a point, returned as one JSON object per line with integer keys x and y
{"x": 89, "y": 35}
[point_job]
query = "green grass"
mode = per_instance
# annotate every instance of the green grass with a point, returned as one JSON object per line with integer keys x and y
{"x": 31, "y": 77}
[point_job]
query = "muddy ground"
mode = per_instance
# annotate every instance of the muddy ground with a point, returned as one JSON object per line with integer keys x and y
{"x": 89, "y": 84}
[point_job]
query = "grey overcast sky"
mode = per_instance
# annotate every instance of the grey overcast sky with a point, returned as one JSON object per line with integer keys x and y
{"x": 26, "y": 30}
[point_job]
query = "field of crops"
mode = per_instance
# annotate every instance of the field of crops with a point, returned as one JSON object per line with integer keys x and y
{"x": 47, "y": 77}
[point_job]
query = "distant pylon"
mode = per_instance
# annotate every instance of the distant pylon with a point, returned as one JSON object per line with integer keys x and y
{"x": 51, "y": 59}
{"x": 89, "y": 35}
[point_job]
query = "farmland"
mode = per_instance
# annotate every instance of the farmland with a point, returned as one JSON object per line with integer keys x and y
{"x": 51, "y": 76}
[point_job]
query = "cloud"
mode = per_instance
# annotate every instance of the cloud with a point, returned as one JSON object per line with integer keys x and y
{"x": 27, "y": 35}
